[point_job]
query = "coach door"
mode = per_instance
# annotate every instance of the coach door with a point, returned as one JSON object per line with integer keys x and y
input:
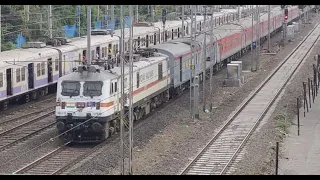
{"x": 49, "y": 67}
{"x": 9, "y": 81}
{"x": 30, "y": 76}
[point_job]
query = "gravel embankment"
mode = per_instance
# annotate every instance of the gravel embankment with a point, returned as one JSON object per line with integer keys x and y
{"x": 260, "y": 156}
{"x": 165, "y": 141}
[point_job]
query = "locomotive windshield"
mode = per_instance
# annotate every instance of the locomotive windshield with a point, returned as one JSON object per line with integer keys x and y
{"x": 92, "y": 88}
{"x": 70, "y": 88}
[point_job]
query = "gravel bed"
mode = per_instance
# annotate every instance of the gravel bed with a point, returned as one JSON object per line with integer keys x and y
{"x": 33, "y": 106}
{"x": 21, "y": 154}
{"x": 165, "y": 141}
{"x": 260, "y": 156}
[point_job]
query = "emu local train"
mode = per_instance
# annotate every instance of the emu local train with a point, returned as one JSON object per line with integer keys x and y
{"x": 32, "y": 71}
{"x": 88, "y": 99}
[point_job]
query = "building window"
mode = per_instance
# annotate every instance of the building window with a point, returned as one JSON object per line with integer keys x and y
{"x": 38, "y": 69}
{"x": 43, "y": 70}
{"x": 18, "y": 75}
{"x": 23, "y": 73}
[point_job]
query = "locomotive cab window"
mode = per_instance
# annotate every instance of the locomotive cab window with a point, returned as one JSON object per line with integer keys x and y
{"x": 70, "y": 88}
{"x": 92, "y": 88}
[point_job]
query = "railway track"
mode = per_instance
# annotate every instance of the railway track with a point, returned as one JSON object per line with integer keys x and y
{"x": 25, "y": 130}
{"x": 59, "y": 160}
{"x": 223, "y": 151}
{"x": 25, "y": 116}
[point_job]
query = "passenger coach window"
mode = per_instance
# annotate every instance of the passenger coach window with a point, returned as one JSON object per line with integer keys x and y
{"x": 70, "y": 88}
{"x": 1, "y": 79}
{"x": 23, "y": 73}
{"x": 38, "y": 69}
{"x": 43, "y": 70}
{"x": 92, "y": 88}
{"x": 18, "y": 75}
{"x": 56, "y": 63}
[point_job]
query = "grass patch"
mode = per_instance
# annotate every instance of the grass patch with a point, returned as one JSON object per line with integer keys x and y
{"x": 283, "y": 123}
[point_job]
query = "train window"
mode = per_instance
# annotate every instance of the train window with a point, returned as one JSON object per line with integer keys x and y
{"x": 138, "y": 79}
{"x": 111, "y": 88}
{"x": 102, "y": 53}
{"x": 70, "y": 88}
{"x": 158, "y": 37}
{"x": 160, "y": 71}
{"x": 125, "y": 82}
{"x": 1, "y": 79}
{"x": 114, "y": 49}
{"x": 56, "y": 63}
{"x": 80, "y": 58}
{"x": 92, "y": 88}
{"x": 115, "y": 86}
{"x": 38, "y": 70}
{"x": 18, "y": 75}
{"x": 23, "y": 73}
{"x": 43, "y": 70}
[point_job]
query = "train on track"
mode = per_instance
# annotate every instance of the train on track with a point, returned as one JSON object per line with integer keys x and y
{"x": 88, "y": 99}
{"x": 33, "y": 70}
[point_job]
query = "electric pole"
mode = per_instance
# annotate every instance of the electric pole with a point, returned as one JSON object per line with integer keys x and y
{"x": 79, "y": 20}
{"x": 258, "y": 37}
{"x": 204, "y": 48}
{"x": 269, "y": 11}
{"x": 152, "y": 12}
{"x": 194, "y": 85}
{"x": 182, "y": 18}
{"x": 98, "y": 12}
{"x": 252, "y": 40}
{"x": 50, "y": 21}
{"x": 137, "y": 13}
{"x": 112, "y": 17}
{"x": 130, "y": 88}
{"x": 88, "y": 54}
{"x": 122, "y": 129}
{"x": 0, "y": 30}
{"x": 212, "y": 58}
{"x": 27, "y": 12}
{"x": 106, "y": 16}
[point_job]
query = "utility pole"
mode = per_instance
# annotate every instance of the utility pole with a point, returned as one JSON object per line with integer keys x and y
{"x": 88, "y": 54}
{"x": 252, "y": 40}
{"x": 50, "y": 21}
{"x": 98, "y": 12}
{"x": 122, "y": 129}
{"x": 269, "y": 12}
{"x": 112, "y": 17}
{"x": 258, "y": 37}
{"x": 182, "y": 17}
{"x": 106, "y": 16}
{"x": 130, "y": 88}
{"x": 137, "y": 13}
{"x": 239, "y": 15}
{"x": 204, "y": 48}
{"x": 152, "y": 13}
{"x": 27, "y": 12}
{"x": 194, "y": 85}
{"x": 79, "y": 20}
{"x": 0, "y": 30}
{"x": 211, "y": 61}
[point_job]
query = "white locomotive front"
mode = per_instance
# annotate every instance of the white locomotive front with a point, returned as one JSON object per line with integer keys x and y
{"x": 88, "y": 99}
